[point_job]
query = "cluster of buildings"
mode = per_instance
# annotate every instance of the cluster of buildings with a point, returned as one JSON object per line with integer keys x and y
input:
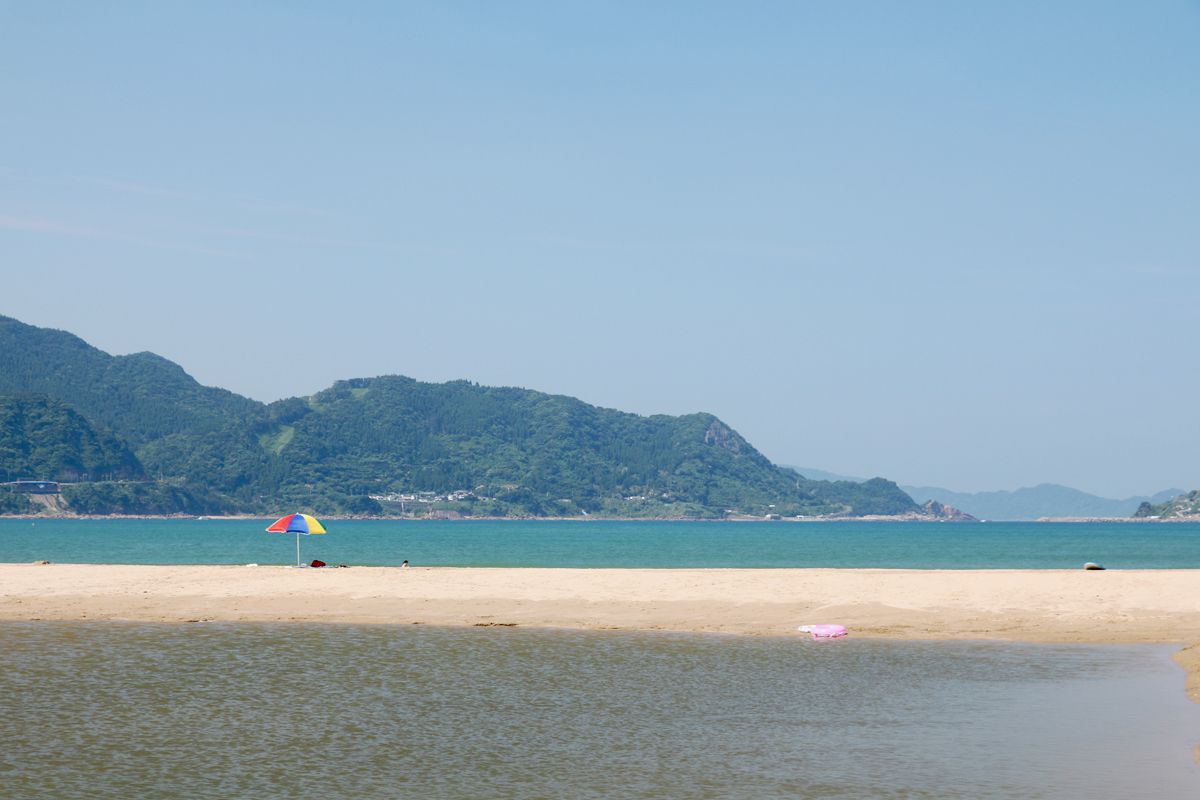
{"x": 651, "y": 496}
{"x": 428, "y": 498}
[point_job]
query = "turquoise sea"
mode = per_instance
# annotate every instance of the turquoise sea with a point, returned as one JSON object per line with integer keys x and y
{"x": 551, "y": 543}
{"x": 188, "y": 712}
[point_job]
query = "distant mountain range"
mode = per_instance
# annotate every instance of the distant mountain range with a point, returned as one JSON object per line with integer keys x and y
{"x": 1035, "y": 502}
{"x": 137, "y": 434}
{"x": 1029, "y": 503}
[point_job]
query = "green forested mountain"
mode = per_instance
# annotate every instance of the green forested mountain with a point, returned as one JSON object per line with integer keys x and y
{"x": 141, "y": 397}
{"x": 543, "y": 453}
{"x": 368, "y": 445}
{"x": 42, "y": 438}
{"x": 1185, "y": 506}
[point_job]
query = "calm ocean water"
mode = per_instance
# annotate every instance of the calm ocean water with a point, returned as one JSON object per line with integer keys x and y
{"x": 118, "y": 710}
{"x": 547, "y": 543}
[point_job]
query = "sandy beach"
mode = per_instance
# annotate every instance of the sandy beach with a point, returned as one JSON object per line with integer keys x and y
{"x": 1110, "y": 607}
{"x": 1029, "y": 605}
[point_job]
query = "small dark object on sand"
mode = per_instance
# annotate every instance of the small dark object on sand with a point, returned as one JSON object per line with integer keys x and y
{"x": 1093, "y": 565}
{"x": 317, "y": 563}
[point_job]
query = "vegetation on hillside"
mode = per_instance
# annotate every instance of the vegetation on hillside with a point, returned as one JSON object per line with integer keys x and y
{"x": 42, "y": 438}
{"x": 1185, "y": 506}
{"x": 141, "y": 397}
{"x": 545, "y": 453}
{"x": 142, "y": 498}
{"x": 13, "y": 503}
{"x": 372, "y": 445}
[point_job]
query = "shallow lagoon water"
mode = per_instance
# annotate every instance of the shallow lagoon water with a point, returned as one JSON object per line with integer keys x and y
{"x": 553, "y": 543}
{"x": 108, "y": 710}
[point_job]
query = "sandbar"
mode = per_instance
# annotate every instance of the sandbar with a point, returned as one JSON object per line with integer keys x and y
{"x": 1068, "y": 606}
{"x": 1109, "y": 607}
{"x": 1114, "y": 606}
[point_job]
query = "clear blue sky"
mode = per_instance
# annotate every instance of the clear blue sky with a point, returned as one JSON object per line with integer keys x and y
{"x": 948, "y": 243}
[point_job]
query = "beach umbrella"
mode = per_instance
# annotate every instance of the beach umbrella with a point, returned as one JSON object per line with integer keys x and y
{"x": 299, "y": 524}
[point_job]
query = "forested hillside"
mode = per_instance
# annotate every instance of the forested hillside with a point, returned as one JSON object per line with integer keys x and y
{"x": 1185, "y": 506}
{"x": 141, "y": 397}
{"x": 43, "y": 438}
{"x": 544, "y": 453}
{"x": 366, "y": 446}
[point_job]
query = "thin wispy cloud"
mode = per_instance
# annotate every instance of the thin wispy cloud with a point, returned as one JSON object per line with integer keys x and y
{"x": 53, "y": 227}
{"x": 1165, "y": 270}
{"x": 255, "y": 204}
{"x": 131, "y": 187}
{"x": 734, "y": 248}
{"x": 340, "y": 242}
{"x": 286, "y": 209}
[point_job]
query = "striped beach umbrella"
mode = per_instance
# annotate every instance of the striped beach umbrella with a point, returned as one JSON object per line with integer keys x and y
{"x": 299, "y": 524}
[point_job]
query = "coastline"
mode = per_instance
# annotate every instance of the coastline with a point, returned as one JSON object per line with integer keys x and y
{"x": 594, "y": 518}
{"x": 1113, "y": 606}
{"x": 1039, "y": 606}
{"x": 589, "y": 518}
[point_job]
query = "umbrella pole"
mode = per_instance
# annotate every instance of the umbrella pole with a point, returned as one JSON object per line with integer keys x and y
{"x": 297, "y": 548}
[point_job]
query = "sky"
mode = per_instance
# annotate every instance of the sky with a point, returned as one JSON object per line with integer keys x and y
{"x": 952, "y": 244}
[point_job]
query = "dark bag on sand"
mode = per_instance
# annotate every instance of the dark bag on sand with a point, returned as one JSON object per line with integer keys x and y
{"x": 317, "y": 563}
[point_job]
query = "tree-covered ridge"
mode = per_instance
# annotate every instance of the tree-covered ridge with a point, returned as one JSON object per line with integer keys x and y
{"x": 141, "y": 397}
{"x": 157, "y": 498}
{"x": 42, "y": 438}
{"x": 362, "y": 444}
{"x": 547, "y": 453}
{"x": 1185, "y": 506}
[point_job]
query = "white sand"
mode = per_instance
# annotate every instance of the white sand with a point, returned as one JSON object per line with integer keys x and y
{"x": 1031, "y": 605}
